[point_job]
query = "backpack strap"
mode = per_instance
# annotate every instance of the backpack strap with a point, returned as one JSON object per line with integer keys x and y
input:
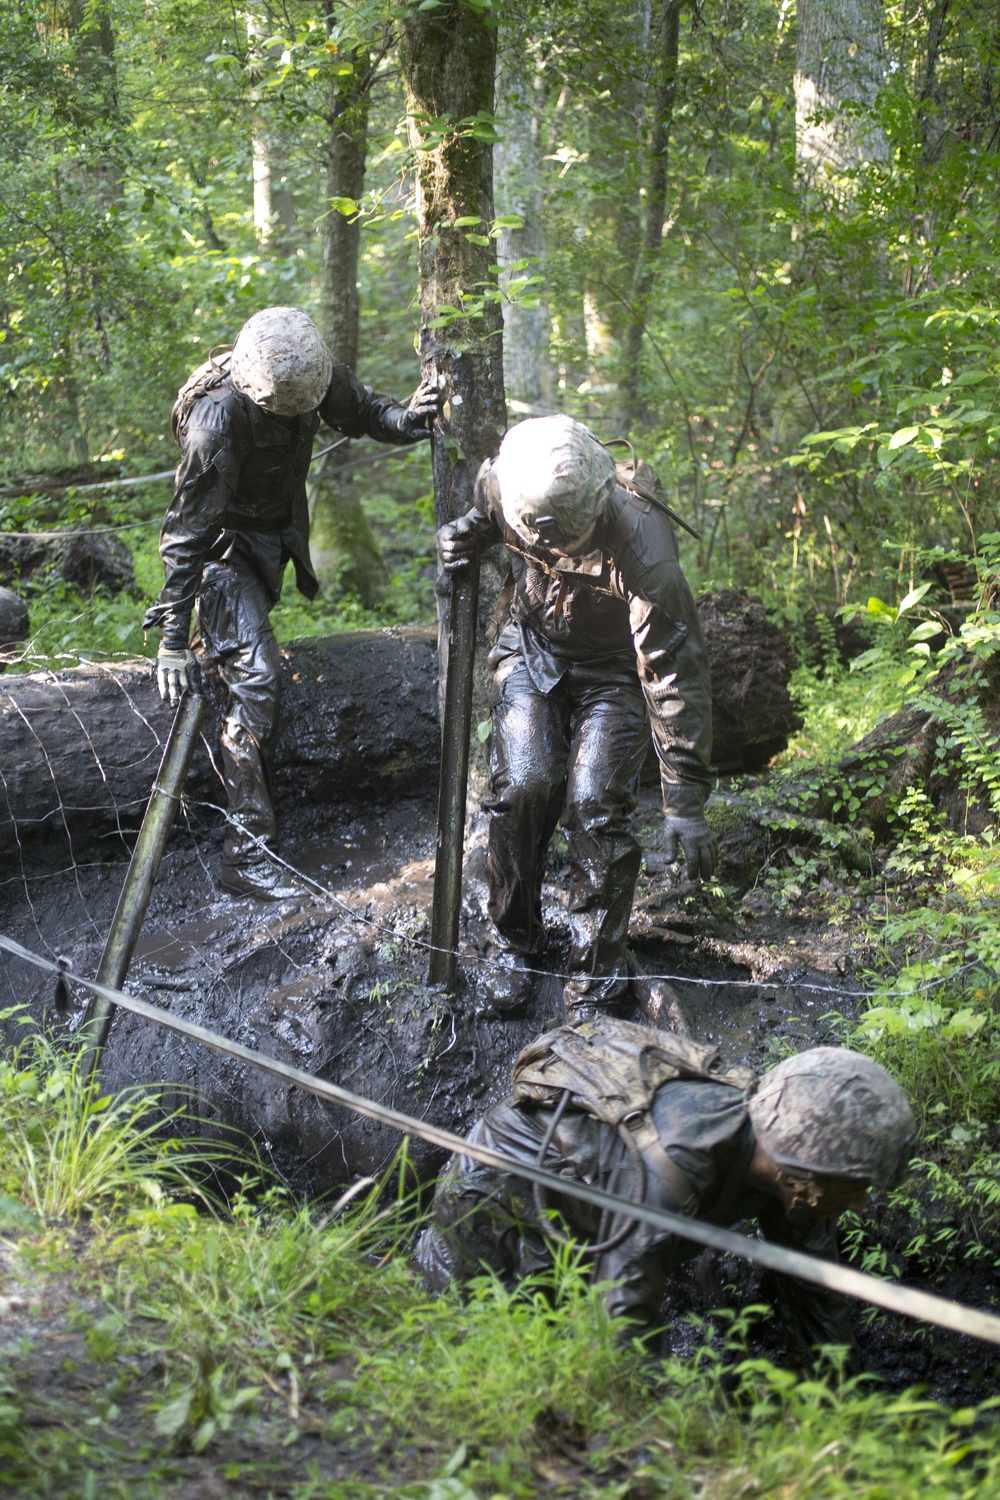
{"x": 642, "y": 479}
{"x": 209, "y": 376}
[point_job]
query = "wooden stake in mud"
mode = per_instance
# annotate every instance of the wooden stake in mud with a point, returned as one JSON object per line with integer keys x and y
{"x": 455, "y": 730}
{"x": 130, "y": 912}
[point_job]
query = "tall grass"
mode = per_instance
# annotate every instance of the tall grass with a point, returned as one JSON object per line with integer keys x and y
{"x": 67, "y": 1149}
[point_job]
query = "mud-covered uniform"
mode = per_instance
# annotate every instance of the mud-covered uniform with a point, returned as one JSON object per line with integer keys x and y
{"x": 596, "y": 650}
{"x": 696, "y": 1142}
{"x": 239, "y": 513}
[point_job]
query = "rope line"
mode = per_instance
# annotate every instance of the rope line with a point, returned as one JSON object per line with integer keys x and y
{"x": 831, "y": 1275}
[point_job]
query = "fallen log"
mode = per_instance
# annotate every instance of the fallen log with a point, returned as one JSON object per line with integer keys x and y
{"x": 79, "y": 748}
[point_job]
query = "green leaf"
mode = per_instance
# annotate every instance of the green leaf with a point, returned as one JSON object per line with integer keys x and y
{"x": 902, "y": 437}
{"x": 170, "y": 1419}
{"x": 467, "y": 221}
{"x": 913, "y": 597}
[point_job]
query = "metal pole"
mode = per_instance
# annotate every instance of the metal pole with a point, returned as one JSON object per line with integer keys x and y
{"x": 455, "y": 730}
{"x": 143, "y": 866}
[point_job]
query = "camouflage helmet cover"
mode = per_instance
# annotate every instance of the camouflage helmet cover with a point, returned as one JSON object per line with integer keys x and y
{"x": 554, "y": 478}
{"x": 281, "y": 361}
{"x": 834, "y": 1112}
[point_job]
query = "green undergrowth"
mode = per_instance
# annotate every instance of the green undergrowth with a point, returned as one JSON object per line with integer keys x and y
{"x": 70, "y": 625}
{"x": 902, "y": 845}
{"x": 171, "y": 1335}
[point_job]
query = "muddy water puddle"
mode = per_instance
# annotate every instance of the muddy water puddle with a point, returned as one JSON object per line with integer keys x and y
{"x": 354, "y": 864}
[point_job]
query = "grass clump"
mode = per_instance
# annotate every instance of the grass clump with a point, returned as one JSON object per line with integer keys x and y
{"x": 279, "y": 1350}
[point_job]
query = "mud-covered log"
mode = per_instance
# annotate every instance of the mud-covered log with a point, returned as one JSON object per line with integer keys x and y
{"x": 79, "y": 748}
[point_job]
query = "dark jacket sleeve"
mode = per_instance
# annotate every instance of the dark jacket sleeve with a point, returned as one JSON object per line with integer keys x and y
{"x": 206, "y": 481}
{"x": 670, "y": 652}
{"x": 358, "y": 411}
{"x": 813, "y": 1315}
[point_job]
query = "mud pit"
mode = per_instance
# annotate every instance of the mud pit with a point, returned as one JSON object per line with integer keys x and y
{"x": 336, "y": 985}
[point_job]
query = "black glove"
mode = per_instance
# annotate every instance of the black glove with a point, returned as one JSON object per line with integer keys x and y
{"x": 459, "y": 543}
{"x": 422, "y": 407}
{"x": 690, "y": 839}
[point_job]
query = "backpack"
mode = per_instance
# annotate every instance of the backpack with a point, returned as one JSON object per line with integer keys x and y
{"x": 207, "y": 377}
{"x": 611, "y": 1069}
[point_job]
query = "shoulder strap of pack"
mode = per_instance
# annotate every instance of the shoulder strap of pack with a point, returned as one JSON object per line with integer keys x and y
{"x": 207, "y": 377}
{"x": 642, "y": 479}
{"x": 611, "y": 1069}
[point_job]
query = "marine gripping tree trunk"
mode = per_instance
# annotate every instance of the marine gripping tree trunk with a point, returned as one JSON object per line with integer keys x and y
{"x": 449, "y": 59}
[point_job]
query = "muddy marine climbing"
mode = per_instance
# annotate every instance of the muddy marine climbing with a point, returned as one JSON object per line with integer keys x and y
{"x": 245, "y": 423}
{"x": 602, "y": 642}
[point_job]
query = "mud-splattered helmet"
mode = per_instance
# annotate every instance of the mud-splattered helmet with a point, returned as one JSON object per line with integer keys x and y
{"x": 281, "y": 361}
{"x": 555, "y": 479}
{"x": 836, "y": 1113}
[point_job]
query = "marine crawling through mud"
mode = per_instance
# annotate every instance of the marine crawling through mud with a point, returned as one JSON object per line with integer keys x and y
{"x": 645, "y": 1115}
{"x": 239, "y": 514}
{"x": 602, "y": 642}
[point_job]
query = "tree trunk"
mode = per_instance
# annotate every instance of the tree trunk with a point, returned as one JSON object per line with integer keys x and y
{"x": 345, "y": 553}
{"x": 448, "y": 57}
{"x": 518, "y": 168}
{"x": 839, "y": 60}
{"x": 664, "y": 58}
{"x": 272, "y": 199}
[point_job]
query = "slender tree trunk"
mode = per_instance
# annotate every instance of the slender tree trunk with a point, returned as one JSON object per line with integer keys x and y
{"x": 664, "y": 45}
{"x": 101, "y": 176}
{"x": 840, "y": 59}
{"x": 345, "y": 553}
{"x": 518, "y": 168}
{"x": 449, "y": 56}
{"x": 273, "y": 209}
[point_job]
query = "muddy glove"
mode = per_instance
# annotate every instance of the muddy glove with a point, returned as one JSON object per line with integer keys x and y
{"x": 692, "y": 841}
{"x": 460, "y": 542}
{"x": 413, "y": 420}
{"x": 174, "y": 672}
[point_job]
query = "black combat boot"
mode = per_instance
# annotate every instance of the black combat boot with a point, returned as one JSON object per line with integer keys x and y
{"x": 262, "y": 880}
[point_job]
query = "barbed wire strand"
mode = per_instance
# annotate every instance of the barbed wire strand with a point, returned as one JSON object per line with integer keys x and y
{"x": 925, "y": 1306}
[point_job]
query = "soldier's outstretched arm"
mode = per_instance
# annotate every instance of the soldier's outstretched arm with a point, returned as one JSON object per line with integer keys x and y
{"x": 206, "y": 481}
{"x": 357, "y": 411}
{"x": 673, "y": 669}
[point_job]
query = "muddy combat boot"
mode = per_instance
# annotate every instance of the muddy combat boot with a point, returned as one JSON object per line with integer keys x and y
{"x": 658, "y": 1001}
{"x": 508, "y": 983}
{"x": 586, "y": 999}
{"x": 262, "y": 880}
